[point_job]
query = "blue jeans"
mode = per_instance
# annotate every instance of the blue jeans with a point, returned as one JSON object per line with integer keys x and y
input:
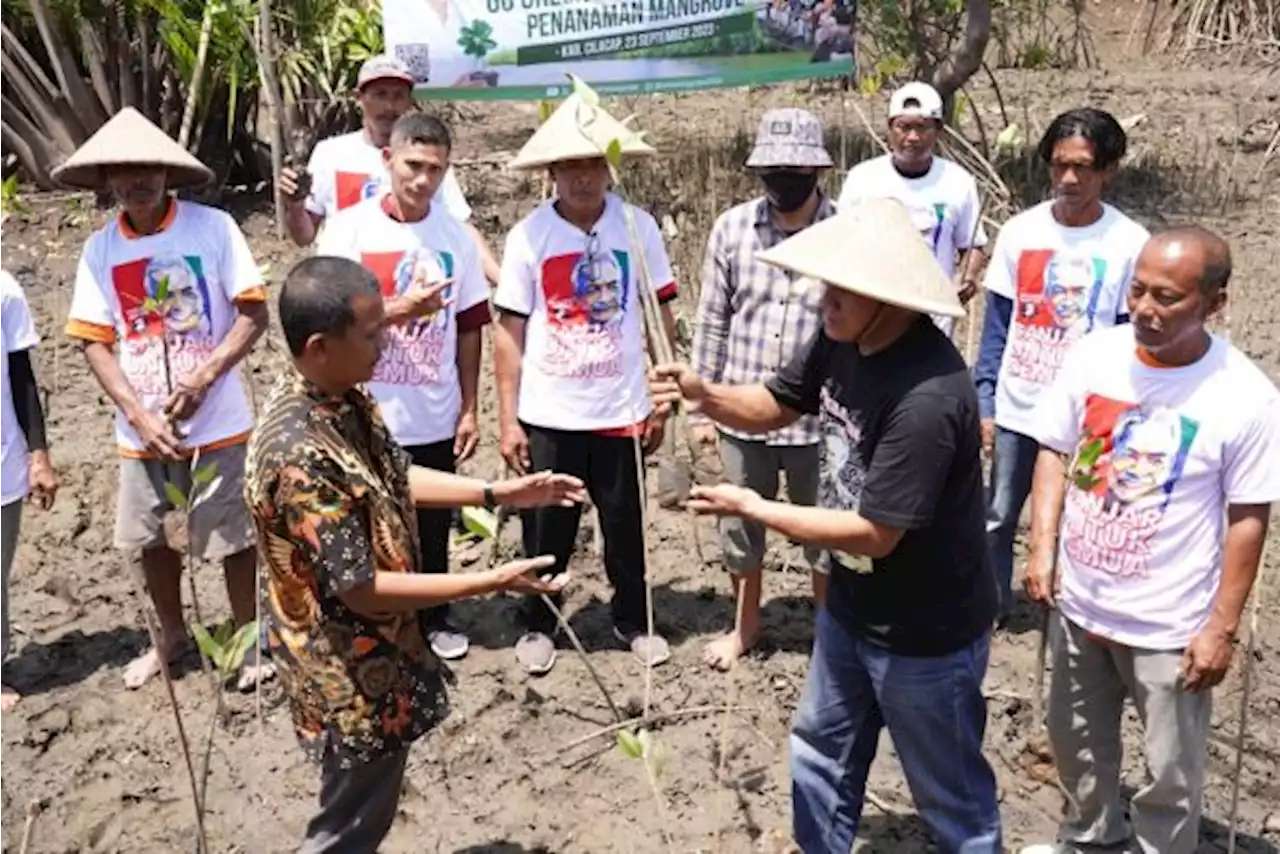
{"x": 936, "y": 715}
{"x": 1012, "y": 466}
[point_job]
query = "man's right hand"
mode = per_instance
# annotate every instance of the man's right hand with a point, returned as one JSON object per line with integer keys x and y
{"x": 669, "y": 384}
{"x": 988, "y": 434}
{"x": 521, "y": 576}
{"x": 514, "y": 443}
{"x": 295, "y": 184}
{"x": 158, "y": 436}
{"x": 1039, "y": 581}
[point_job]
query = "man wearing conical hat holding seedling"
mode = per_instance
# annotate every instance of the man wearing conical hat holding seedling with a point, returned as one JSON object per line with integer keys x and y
{"x": 752, "y": 318}
{"x": 1158, "y": 465}
{"x": 941, "y": 196}
{"x": 346, "y": 169}
{"x": 569, "y": 349}
{"x": 902, "y": 643}
{"x": 428, "y": 379}
{"x": 167, "y": 303}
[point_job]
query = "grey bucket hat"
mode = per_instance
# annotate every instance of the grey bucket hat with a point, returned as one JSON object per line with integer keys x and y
{"x": 789, "y": 137}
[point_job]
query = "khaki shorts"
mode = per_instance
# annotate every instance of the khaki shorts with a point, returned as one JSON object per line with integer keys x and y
{"x": 219, "y": 526}
{"x": 756, "y": 465}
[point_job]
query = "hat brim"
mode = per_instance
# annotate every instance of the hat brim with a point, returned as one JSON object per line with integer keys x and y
{"x": 406, "y": 79}
{"x": 770, "y": 155}
{"x": 93, "y": 176}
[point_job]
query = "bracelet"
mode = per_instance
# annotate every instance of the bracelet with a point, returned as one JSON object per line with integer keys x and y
{"x": 489, "y": 501}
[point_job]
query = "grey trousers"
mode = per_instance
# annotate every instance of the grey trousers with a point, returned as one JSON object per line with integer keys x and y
{"x": 357, "y": 806}
{"x": 1090, "y": 681}
{"x": 10, "y": 519}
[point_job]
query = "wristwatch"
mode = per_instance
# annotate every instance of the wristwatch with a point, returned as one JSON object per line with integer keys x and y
{"x": 489, "y": 501}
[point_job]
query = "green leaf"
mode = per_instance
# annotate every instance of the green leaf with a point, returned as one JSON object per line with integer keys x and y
{"x": 204, "y": 474}
{"x": 222, "y": 634}
{"x": 175, "y": 496}
{"x": 245, "y": 639}
{"x": 655, "y": 752}
{"x": 480, "y": 522}
{"x": 613, "y": 153}
{"x": 162, "y": 289}
{"x": 201, "y": 494}
{"x": 206, "y": 643}
{"x": 584, "y": 92}
{"x": 630, "y": 744}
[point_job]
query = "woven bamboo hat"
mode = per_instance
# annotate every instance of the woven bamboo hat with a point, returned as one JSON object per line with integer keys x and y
{"x": 577, "y": 131}
{"x": 874, "y": 249}
{"x": 129, "y": 139}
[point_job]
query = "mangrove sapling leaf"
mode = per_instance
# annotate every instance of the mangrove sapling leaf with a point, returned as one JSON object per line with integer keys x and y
{"x": 208, "y": 645}
{"x": 241, "y": 643}
{"x": 629, "y": 744}
{"x": 204, "y": 474}
{"x": 480, "y": 522}
{"x": 613, "y": 153}
{"x": 200, "y": 495}
{"x": 176, "y": 496}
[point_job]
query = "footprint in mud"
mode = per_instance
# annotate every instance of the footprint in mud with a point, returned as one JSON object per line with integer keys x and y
{"x": 44, "y": 728}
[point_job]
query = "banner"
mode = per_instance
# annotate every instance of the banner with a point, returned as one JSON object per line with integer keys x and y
{"x": 522, "y": 49}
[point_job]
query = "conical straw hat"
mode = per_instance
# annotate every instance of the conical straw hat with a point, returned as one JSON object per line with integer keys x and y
{"x": 874, "y": 249}
{"x": 578, "y": 131}
{"x": 128, "y": 139}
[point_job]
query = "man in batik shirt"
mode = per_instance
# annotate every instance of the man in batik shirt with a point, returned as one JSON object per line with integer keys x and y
{"x": 333, "y": 500}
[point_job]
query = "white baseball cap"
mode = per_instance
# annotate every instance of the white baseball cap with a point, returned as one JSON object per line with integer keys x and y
{"x": 916, "y": 99}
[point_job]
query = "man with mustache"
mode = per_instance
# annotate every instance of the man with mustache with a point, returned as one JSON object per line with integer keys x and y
{"x": 346, "y": 169}
{"x": 168, "y": 301}
{"x": 333, "y": 497}
{"x": 428, "y": 380}
{"x": 752, "y": 319}
{"x": 1058, "y": 272}
{"x": 569, "y": 353}
{"x": 1158, "y": 464}
{"x": 941, "y": 196}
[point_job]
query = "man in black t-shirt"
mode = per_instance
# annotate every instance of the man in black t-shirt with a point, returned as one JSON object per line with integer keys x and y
{"x": 906, "y": 644}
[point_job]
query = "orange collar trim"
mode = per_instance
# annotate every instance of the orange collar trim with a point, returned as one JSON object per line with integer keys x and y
{"x": 1145, "y": 357}
{"x": 170, "y": 213}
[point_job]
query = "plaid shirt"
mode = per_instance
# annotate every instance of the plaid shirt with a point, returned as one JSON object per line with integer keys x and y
{"x": 753, "y": 317}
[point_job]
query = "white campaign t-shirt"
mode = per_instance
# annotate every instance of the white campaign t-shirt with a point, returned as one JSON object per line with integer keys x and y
{"x": 416, "y": 380}
{"x": 1064, "y": 283}
{"x": 204, "y": 259}
{"x": 943, "y": 203}
{"x": 584, "y": 359}
{"x": 19, "y": 333}
{"x": 348, "y": 169}
{"x": 1140, "y": 556}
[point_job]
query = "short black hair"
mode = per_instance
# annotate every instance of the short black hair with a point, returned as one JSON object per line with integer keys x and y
{"x": 421, "y": 129}
{"x": 1216, "y": 251}
{"x": 317, "y": 295}
{"x": 1096, "y": 126}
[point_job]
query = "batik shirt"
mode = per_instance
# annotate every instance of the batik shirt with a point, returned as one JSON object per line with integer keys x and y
{"x": 329, "y": 493}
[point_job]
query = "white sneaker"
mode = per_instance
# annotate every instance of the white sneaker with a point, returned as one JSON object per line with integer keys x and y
{"x": 1041, "y": 848}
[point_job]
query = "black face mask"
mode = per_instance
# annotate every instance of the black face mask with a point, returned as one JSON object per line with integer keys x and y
{"x": 788, "y": 191}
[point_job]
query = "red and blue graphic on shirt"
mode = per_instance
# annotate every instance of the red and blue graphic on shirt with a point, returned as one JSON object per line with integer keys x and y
{"x": 412, "y": 352}
{"x": 1056, "y": 302}
{"x": 351, "y": 188}
{"x": 1127, "y": 464}
{"x": 586, "y": 297}
{"x": 165, "y": 297}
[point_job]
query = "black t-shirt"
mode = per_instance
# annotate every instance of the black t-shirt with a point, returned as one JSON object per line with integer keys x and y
{"x": 901, "y": 442}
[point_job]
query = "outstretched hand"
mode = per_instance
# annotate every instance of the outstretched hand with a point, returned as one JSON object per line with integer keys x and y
{"x": 542, "y": 489}
{"x": 724, "y": 499}
{"x": 672, "y": 383}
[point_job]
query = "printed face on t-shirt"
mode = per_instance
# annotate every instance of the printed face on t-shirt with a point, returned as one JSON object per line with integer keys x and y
{"x": 586, "y": 298}
{"x": 1057, "y": 290}
{"x": 1128, "y": 462}
{"x": 165, "y": 294}
{"x": 412, "y": 352}
{"x": 841, "y": 472}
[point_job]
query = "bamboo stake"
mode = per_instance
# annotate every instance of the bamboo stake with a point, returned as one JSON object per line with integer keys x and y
{"x": 197, "y": 75}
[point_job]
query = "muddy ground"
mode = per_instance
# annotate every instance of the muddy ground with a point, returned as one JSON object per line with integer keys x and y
{"x": 515, "y": 771}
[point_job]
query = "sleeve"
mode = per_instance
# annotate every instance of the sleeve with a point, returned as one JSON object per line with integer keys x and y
{"x": 241, "y": 276}
{"x": 455, "y": 201}
{"x": 472, "y": 288}
{"x": 519, "y": 275}
{"x": 1131, "y": 268}
{"x": 1252, "y": 461}
{"x": 986, "y": 369}
{"x": 1002, "y": 271}
{"x": 1059, "y": 413}
{"x": 711, "y": 335}
{"x": 966, "y": 236}
{"x": 92, "y": 317}
{"x": 798, "y": 384}
{"x": 909, "y": 465}
{"x": 661, "y": 278}
{"x": 321, "y": 199}
{"x": 326, "y": 524}
{"x": 19, "y": 328}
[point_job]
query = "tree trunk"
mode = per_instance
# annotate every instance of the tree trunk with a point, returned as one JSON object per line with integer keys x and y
{"x": 150, "y": 95}
{"x": 266, "y": 48}
{"x": 143, "y": 101}
{"x": 38, "y": 107}
{"x": 197, "y": 76}
{"x": 962, "y": 64}
{"x": 32, "y": 163}
{"x": 35, "y": 151}
{"x": 84, "y": 107}
{"x": 28, "y": 62}
{"x": 96, "y": 60}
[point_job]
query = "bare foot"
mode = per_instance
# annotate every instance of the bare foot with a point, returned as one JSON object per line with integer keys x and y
{"x": 722, "y": 652}
{"x": 141, "y": 670}
{"x": 8, "y": 698}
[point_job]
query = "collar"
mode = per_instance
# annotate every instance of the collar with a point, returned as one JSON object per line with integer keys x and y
{"x": 352, "y": 397}
{"x": 170, "y": 214}
{"x": 391, "y": 207}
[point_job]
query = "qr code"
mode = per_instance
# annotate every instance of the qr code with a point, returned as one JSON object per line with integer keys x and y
{"x": 418, "y": 58}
